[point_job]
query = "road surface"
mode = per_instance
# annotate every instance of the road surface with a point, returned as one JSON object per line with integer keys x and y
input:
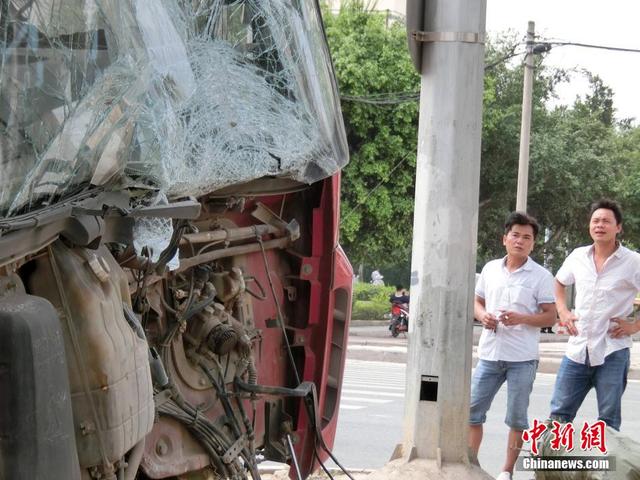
{"x": 372, "y": 406}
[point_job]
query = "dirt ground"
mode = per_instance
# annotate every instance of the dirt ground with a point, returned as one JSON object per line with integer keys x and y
{"x": 284, "y": 475}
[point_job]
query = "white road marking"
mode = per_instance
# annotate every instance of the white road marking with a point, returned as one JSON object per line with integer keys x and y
{"x": 366, "y": 399}
{"x": 378, "y": 393}
{"x": 368, "y": 385}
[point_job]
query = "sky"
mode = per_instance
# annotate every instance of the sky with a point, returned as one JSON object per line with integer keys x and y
{"x": 611, "y": 23}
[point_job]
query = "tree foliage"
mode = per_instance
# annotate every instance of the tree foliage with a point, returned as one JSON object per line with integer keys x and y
{"x": 377, "y": 188}
{"x": 572, "y": 158}
{"x": 577, "y": 155}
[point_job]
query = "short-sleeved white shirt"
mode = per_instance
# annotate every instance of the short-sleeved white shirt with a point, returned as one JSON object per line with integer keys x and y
{"x": 522, "y": 290}
{"x": 599, "y": 298}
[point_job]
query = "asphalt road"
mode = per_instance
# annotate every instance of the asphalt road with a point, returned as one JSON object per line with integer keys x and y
{"x": 372, "y": 407}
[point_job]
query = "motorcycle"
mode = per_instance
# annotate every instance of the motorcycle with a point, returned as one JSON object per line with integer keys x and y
{"x": 399, "y": 319}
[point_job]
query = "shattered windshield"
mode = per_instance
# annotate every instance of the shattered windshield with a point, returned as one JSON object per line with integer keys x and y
{"x": 183, "y": 96}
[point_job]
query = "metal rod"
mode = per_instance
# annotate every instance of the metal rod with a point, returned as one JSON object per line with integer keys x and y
{"x": 229, "y": 234}
{"x": 293, "y": 457}
{"x": 187, "y": 263}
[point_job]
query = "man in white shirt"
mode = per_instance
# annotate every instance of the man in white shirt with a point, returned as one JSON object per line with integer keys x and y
{"x": 514, "y": 299}
{"x": 607, "y": 279}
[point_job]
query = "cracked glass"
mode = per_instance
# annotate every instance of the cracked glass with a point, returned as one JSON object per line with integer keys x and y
{"x": 184, "y": 97}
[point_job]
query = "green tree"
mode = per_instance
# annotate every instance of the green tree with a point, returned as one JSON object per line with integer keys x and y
{"x": 577, "y": 155}
{"x": 501, "y": 139}
{"x": 371, "y": 59}
{"x": 571, "y": 157}
{"x": 626, "y": 168}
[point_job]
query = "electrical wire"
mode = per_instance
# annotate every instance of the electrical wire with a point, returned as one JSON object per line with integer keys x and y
{"x": 169, "y": 252}
{"x": 322, "y": 465}
{"x": 208, "y": 246}
{"x": 396, "y": 98}
{"x": 591, "y": 45}
{"x": 278, "y": 310}
{"x": 202, "y": 428}
{"x": 312, "y": 413}
{"x": 390, "y": 98}
{"x": 311, "y": 402}
{"x": 248, "y": 452}
{"x": 212, "y": 438}
{"x": 509, "y": 56}
{"x": 380, "y": 183}
{"x": 262, "y": 295}
{"x": 191, "y": 311}
{"x": 307, "y": 391}
{"x": 414, "y": 96}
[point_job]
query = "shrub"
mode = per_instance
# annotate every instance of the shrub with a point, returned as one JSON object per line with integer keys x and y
{"x": 369, "y": 310}
{"x": 375, "y": 293}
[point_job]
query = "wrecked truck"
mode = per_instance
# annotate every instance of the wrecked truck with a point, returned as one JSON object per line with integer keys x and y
{"x": 174, "y": 302}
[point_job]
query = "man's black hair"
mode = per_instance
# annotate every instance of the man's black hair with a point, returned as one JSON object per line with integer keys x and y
{"x": 399, "y": 287}
{"x": 609, "y": 205}
{"x": 520, "y": 218}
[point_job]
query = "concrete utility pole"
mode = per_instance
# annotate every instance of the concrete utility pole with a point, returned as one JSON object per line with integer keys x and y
{"x": 525, "y": 126}
{"x": 451, "y": 56}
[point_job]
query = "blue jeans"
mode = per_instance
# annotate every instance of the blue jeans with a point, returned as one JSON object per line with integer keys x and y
{"x": 574, "y": 381}
{"x": 487, "y": 380}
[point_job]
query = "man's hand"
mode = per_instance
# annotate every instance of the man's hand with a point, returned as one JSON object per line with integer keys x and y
{"x": 567, "y": 320}
{"x": 620, "y": 328}
{"x": 510, "y": 318}
{"x": 489, "y": 321}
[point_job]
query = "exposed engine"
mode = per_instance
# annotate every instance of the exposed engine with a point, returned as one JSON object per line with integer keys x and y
{"x": 200, "y": 320}
{"x": 193, "y": 371}
{"x": 173, "y": 299}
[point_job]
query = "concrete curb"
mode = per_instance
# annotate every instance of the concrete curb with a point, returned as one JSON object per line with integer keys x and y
{"x": 398, "y": 354}
{"x": 378, "y": 328}
{"x": 368, "y": 323}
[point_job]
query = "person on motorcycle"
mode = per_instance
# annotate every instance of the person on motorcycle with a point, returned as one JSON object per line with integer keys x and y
{"x": 398, "y": 299}
{"x": 400, "y": 295}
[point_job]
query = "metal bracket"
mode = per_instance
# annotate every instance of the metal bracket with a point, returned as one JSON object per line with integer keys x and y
{"x": 234, "y": 450}
{"x": 464, "y": 37}
{"x": 266, "y": 216}
{"x": 292, "y": 293}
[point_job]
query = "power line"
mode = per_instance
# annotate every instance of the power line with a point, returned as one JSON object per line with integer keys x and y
{"x": 509, "y": 56}
{"x": 590, "y": 45}
{"x": 396, "y": 98}
{"x": 392, "y": 98}
{"x": 380, "y": 183}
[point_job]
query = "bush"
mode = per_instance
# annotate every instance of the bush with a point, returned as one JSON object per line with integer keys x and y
{"x": 376, "y": 293}
{"x": 369, "y": 310}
